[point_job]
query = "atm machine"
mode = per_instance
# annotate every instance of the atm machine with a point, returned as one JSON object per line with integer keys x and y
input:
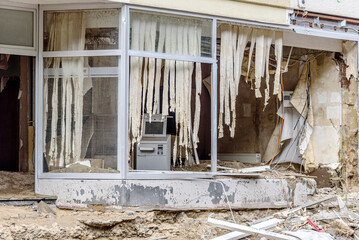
{"x": 153, "y": 152}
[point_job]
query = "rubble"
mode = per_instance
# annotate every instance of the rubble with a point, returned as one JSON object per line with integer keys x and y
{"x": 330, "y": 209}
{"x": 43, "y": 208}
{"x": 299, "y": 222}
{"x": 101, "y": 223}
{"x": 336, "y": 214}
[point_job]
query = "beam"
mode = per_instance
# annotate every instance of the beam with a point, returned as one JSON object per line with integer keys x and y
{"x": 249, "y": 230}
{"x": 238, "y": 235}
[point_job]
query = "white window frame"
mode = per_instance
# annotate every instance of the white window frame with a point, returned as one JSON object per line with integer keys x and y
{"x": 123, "y": 87}
{"x": 39, "y": 90}
{"x": 211, "y": 60}
{"x": 16, "y": 49}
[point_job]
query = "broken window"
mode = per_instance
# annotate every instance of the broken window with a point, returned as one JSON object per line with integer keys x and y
{"x": 80, "y": 120}
{"x": 19, "y": 27}
{"x": 80, "y": 93}
{"x": 272, "y": 103}
{"x": 168, "y": 93}
{"x": 168, "y": 34}
{"x": 94, "y": 29}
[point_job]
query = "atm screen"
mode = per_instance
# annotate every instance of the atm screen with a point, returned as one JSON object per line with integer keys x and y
{"x": 154, "y": 128}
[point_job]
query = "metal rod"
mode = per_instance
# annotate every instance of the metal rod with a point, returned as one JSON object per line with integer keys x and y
{"x": 130, "y": 175}
{"x": 324, "y": 16}
{"x": 123, "y": 88}
{"x": 39, "y": 103}
{"x": 83, "y": 53}
{"x": 171, "y": 12}
{"x": 214, "y": 99}
{"x": 326, "y": 34}
{"x": 167, "y": 56}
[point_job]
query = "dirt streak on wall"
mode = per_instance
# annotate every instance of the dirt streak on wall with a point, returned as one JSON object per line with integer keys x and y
{"x": 349, "y": 153}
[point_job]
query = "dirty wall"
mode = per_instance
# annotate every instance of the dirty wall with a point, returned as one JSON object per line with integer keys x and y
{"x": 325, "y": 111}
{"x": 330, "y": 103}
{"x": 349, "y": 155}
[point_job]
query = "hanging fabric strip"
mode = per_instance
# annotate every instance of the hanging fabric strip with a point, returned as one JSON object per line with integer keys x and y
{"x": 240, "y": 40}
{"x": 278, "y": 56}
{"x": 243, "y": 37}
{"x": 167, "y": 46}
{"x": 65, "y": 130}
{"x": 62, "y": 158}
{"x": 230, "y": 75}
{"x": 268, "y": 42}
{"x": 186, "y": 120}
{"x": 179, "y": 85}
{"x": 234, "y": 40}
{"x": 60, "y": 24}
{"x": 181, "y": 38}
{"x": 68, "y": 120}
{"x": 151, "y": 66}
{"x": 141, "y": 72}
{"x": 47, "y": 64}
{"x": 173, "y": 50}
{"x": 161, "y": 42}
{"x": 135, "y": 84}
{"x": 68, "y": 101}
{"x": 259, "y": 63}
{"x": 147, "y": 47}
{"x": 71, "y": 67}
{"x": 253, "y": 42}
{"x": 77, "y": 81}
{"x": 54, "y": 119}
{"x": 224, "y": 29}
{"x": 198, "y": 79}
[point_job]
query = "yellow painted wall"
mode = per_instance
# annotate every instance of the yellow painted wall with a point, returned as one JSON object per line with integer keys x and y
{"x": 254, "y": 10}
{"x": 225, "y": 8}
{"x": 273, "y": 3}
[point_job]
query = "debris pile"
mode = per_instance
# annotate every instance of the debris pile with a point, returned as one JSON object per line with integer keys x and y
{"x": 331, "y": 217}
{"x": 332, "y": 220}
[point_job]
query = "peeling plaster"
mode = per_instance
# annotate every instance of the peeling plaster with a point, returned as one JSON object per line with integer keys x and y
{"x": 169, "y": 194}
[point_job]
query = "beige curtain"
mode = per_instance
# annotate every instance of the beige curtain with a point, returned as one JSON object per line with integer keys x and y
{"x": 175, "y": 37}
{"x": 66, "y": 33}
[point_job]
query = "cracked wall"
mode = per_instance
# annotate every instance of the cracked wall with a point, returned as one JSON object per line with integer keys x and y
{"x": 168, "y": 194}
{"x": 349, "y": 153}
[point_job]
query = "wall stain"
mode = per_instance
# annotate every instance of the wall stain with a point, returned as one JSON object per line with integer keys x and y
{"x": 139, "y": 195}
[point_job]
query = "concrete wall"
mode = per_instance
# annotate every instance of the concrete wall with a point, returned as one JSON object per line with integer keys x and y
{"x": 274, "y": 3}
{"x": 326, "y": 110}
{"x": 169, "y": 194}
{"x": 226, "y": 8}
{"x": 349, "y": 156}
{"x": 256, "y": 10}
{"x": 345, "y": 8}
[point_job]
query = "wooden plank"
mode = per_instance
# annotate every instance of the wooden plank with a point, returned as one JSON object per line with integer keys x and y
{"x": 238, "y": 235}
{"x": 250, "y": 230}
{"x": 23, "y": 97}
{"x": 31, "y": 145}
{"x": 254, "y": 169}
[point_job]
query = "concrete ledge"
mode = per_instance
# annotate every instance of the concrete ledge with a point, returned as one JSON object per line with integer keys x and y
{"x": 169, "y": 194}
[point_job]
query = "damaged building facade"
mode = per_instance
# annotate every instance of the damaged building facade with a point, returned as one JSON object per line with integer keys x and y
{"x": 178, "y": 104}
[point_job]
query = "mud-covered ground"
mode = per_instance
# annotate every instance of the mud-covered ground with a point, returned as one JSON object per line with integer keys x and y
{"x": 99, "y": 222}
{"x": 34, "y": 222}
